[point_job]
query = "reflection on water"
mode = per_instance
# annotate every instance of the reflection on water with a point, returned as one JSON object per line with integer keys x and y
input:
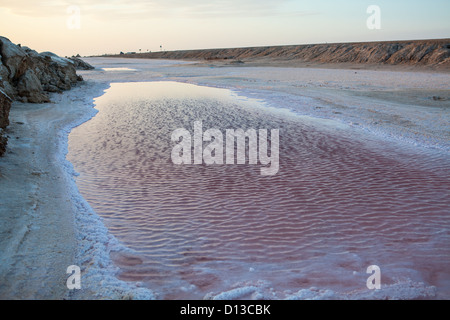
{"x": 338, "y": 204}
{"x": 118, "y": 69}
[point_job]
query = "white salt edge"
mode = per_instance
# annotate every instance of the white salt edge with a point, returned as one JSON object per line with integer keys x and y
{"x": 95, "y": 242}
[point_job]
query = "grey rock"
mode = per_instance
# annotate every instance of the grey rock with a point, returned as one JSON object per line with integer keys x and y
{"x": 28, "y": 76}
{"x": 5, "y": 106}
{"x": 30, "y": 87}
{"x": 80, "y": 64}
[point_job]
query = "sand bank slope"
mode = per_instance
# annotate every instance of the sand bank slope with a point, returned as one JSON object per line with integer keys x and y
{"x": 429, "y": 53}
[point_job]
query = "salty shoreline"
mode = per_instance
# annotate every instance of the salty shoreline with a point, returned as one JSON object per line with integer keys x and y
{"x": 40, "y": 233}
{"x": 46, "y": 225}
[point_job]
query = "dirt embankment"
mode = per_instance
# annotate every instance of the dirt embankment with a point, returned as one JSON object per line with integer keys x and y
{"x": 425, "y": 53}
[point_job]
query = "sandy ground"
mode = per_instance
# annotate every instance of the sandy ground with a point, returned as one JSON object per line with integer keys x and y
{"x": 37, "y": 209}
{"x": 37, "y": 226}
{"x": 37, "y": 221}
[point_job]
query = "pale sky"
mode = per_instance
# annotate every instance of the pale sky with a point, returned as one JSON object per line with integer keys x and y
{"x": 92, "y": 27}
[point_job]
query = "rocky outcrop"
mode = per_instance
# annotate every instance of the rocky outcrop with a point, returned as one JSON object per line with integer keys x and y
{"x": 28, "y": 76}
{"x": 80, "y": 64}
{"x": 5, "y": 106}
{"x": 427, "y": 53}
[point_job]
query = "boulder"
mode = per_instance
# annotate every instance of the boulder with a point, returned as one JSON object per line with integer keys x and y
{"x": 28, "y": 76}
{"x": 14, "y": 58}
{"x": 80, "y": 64}
{"x": 29, "y": 88}
{"x": 55, "y": 73}
{"x": 3, "y": 143}
{"x": 5, "y": 106}
{"x": 4, "y": 79}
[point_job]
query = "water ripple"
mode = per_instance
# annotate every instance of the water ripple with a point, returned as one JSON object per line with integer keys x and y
{"x": 338, "y": 195}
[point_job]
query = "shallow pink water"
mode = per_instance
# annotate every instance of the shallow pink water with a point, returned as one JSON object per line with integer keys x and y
{"x": 340, "y": 202}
